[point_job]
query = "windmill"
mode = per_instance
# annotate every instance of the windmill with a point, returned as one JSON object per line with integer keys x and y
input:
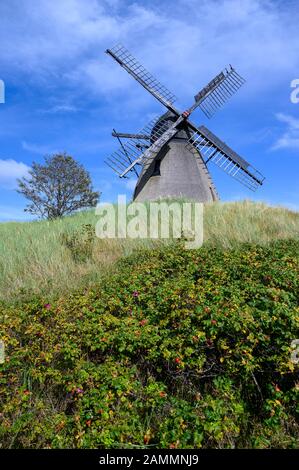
{"x": 170, "y": 155}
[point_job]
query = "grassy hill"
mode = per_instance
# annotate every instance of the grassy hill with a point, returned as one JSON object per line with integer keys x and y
{"x": 35, "y": 256}
{"x": 161, "y": 348}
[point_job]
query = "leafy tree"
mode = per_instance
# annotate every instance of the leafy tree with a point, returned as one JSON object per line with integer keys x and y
{"x": 59, "y": 187}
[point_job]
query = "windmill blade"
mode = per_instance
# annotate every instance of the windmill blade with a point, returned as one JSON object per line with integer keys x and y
{"x": 218, "y": 91}
{"x": 151, "y": 84}
{"x": 158, "y": 136}
{"x": 123, "y": 135}
{"x": 151, "y": 151}
{"x": 132, "y": 149}
{"x": 125, "y": 151}
{"x": 213, "y": 149}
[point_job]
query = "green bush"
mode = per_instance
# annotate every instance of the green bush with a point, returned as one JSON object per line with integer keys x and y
{"x": 176, "y": 349}
{"x": 80, "y": 242}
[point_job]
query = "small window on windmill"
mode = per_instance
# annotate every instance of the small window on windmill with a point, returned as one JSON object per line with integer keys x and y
{"x": 156, "y": 170}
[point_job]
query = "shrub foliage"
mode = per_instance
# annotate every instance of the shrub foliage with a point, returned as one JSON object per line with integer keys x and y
{"x": 177, "y": 349}
{"x": 80, "y": 243}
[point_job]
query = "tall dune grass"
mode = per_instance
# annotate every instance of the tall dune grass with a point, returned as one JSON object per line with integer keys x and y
{"x": 34, "y": 259}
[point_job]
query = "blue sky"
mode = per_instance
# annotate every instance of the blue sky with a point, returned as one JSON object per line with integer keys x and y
{"x": 63, "y": 93}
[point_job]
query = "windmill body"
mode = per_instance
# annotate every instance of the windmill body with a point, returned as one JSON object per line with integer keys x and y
{"x": 170, "y": 155}
{"x": 175, "y": 172}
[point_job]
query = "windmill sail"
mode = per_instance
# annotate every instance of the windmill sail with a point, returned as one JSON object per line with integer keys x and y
{"x": 150, "y": 83}
{"x": 218, "y": 91}
{"x": 131, "y": 152}
{"x": 213, "y": 149}
{"x": 125, "y": 135}
{"x": 159, "y": 137}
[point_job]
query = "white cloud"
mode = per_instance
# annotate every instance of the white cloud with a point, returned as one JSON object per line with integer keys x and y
{"x": 60, "y": 108}
{"x": 290, "y": 120}
{"x": 38, "y": 149}
{"x": 183, "y": 45}
{"x": 10, "y": 170}
{"x": 290, "y": 137}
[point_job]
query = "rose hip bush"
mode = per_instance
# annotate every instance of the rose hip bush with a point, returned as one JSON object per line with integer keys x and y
{"x": 176, "y": 349}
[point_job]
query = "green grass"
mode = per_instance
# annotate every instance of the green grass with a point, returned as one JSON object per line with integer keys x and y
{"x": 138, "y": 343}
{"x": 34, "y": 259}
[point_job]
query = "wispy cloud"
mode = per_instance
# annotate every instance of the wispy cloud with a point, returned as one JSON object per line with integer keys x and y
{"x": 10, "y": 170}
{"x": 290, "y": 137}
{"x": 258, "y": 36}
{"x": 37, "y": 148}
{"x": 60, "y": 108}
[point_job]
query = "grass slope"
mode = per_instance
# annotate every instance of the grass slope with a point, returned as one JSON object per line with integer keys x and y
{"x": 33, "y": 257}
